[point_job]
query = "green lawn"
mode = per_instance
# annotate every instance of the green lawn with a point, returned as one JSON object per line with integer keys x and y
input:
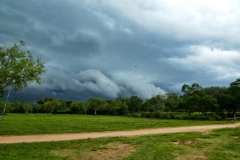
{"x": 223, "y": 144}
{"x": 15, "y": 124}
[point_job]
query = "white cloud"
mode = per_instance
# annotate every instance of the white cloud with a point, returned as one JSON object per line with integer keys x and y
{"x": 222, "y": 63}
{"x": 96, "y": 81}
{"x": 186, "y": 18}
{"x": 89, "y": 80}
{"x": 139, "y": 85}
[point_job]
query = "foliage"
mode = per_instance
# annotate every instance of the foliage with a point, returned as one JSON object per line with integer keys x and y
{"x": 172, "y": 101}
{"x": 134, "y": 104}
{"x": 76, "y": 107}
{"x": 189, "y": 89}
{"x": 235, "y": 93}
{"x": 96, "y": 104}
{"x": 154, "y": 103}
{"x": 18, "y": 68}
{"x": 195, "y": 99}
{"x": 117, "y": 106}
{"x": 85, "y": 107}
{"x": 215, "y": 100}
{"x": 9, "y": 106}
{"x": 37, "y": 107}
{"x": 52, "y": 105}
{"x": 26, "y": 106}
{"x": 222, "y": 95}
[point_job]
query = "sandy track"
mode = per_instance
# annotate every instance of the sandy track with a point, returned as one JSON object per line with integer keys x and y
{"x": 74, "y": 136}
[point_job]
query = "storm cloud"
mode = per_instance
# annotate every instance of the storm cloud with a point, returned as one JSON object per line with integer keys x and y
{"x": 122, "y": 48}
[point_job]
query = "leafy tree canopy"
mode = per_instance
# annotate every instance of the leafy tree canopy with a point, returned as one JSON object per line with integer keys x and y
{"x": 18, "y": 68}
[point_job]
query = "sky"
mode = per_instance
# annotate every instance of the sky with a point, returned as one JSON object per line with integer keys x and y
{"x": 122, "y": 48}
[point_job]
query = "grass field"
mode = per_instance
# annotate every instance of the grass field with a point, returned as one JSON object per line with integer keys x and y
{"x": 15, "y": 124}
{"x": 223, "y": 144}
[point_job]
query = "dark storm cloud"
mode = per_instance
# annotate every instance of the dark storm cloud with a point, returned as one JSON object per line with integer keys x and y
{"x": 72, "y": 86}
{"x": 122, "y": 48}
{"x": 81, "y": 44}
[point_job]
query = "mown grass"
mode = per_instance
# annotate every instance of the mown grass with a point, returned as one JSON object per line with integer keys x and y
{"x": 221, "y": 144}
{"x": 15, "y": 124}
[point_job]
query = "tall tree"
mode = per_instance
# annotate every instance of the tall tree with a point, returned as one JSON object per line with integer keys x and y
{"x": 134, "y": 104}
{"x": 223, "y": 97}
{"x": 37, "y": 107}
{"x": 195, "y": 99}
{"x": 52, "y": 105}
{"x": 85, "y": 106}
{"x": 115, "y": 105}
{"x": 171, "y": 102}
{"x": 76, "y": 107}
{"x": 18, "y": 68}
{"x": 235, "y": 93}
{"x": 96, "y": 104}
{"x": 26, "y": 106}
{"x": 154, "y": 103}
{"x": 189, "y": 89}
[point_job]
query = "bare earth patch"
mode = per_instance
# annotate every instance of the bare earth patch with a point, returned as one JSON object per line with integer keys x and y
{"x": 74, "y": 136}
{"x": 111, "y": 151}
{"x": 190, "y": 152}
{"x": 192, "y": 155}
{"x": 189, "y": 142}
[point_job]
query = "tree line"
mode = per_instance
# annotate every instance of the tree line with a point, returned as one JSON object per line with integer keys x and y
{"x": 195, "y": 98}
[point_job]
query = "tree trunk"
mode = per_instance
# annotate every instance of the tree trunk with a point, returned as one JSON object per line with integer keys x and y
{"x": 95, "y": 112}
{"x": 4, "y": 109}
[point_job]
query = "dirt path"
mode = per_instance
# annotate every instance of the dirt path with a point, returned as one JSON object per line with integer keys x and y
{"x": 74, "y": 136}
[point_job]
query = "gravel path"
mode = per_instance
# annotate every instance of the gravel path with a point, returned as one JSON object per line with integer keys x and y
{"x": 74, "y": 136}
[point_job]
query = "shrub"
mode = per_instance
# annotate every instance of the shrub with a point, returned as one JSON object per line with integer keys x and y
{"x": 134, "y": 114}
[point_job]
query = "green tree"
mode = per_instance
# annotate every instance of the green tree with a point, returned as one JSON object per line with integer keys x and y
{"x": 195, "y": 99}
{"x": 18, "y": 68}
{"x": 96, "y": 104}
{"x": 199, "y": 101}
{"x": 186, "y": 89}
{"x": 9, "y": 106}
{"x": 85, "y": 106}
{"x": 223, "y": 97}
{"x": 115, "y": 105}
{"x": 134, "y": 104}
{"x": 37, "y": 107}
{"x": 52, "y": 105}
{"x": 160, "y": 101}
{"x": 191, "y": 103}
{"x": 235, "y": 95}
{"x": 171, "y": 102}
{"x": 26, "y": 106}
{"x": 76, "y": 107}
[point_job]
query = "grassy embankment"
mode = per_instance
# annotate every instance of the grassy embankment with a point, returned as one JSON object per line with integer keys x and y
{"x": 15, "y": 124}
{"x": 215, "y": 145}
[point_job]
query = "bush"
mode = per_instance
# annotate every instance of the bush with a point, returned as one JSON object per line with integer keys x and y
{"x": 160, "y": 115}
{"x": 170, "y": 115}
{"x": 134, "y": 114}
{"x": 146, "y": 114}
{"x": 218, "y": 118}
{"x": 199, "y": 117}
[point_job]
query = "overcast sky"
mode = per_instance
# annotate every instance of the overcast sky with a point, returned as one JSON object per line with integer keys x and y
{"x": 121, "y": 48}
